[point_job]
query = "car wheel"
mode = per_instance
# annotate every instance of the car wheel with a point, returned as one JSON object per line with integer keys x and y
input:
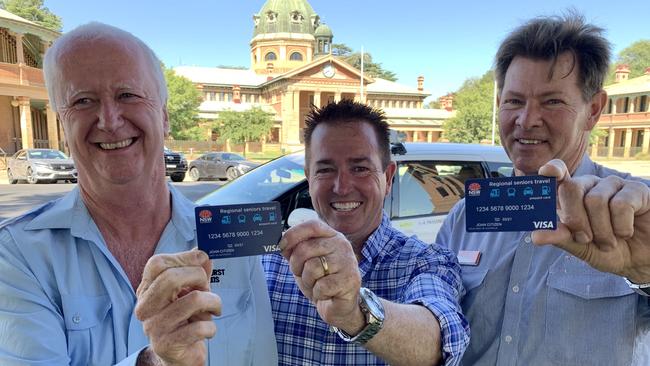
{"x": 72, "y": 181}
{"x": 10, "y": 177}
{"x": 194, "y": 174}
{"x": 177, "y": 177}
{"x": 31, "y": 177}
{"x": 232, "y": 173}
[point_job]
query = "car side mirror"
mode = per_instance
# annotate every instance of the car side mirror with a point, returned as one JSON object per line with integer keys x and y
{"x": 300, "y": 215}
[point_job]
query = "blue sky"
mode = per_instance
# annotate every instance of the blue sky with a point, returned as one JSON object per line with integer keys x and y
{"x": 445, "y": 41}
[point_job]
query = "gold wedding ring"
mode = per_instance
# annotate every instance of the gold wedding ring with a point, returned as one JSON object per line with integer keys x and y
{"x": 326, "y": 267}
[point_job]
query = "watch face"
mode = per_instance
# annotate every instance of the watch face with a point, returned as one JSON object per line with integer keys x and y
{"x": 373, "y": 304}
{"x": 329, "y": 70}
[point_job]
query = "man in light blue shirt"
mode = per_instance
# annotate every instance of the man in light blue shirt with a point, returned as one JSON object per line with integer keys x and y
{"x": 585, "y": 299}
{"x": 69, "y": 270}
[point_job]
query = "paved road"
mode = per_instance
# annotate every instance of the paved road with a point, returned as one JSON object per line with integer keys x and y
{"x": 18, "y": 198}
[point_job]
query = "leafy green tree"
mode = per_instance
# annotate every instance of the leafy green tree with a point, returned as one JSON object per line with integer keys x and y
{"x": 434, "y": 104}
{"x": 242, "y": 127}
{"x": 636, "y": 56}
{"x": 183, "y": 107}
{"x": 473, "y": 104}
{"x": 34, "y": 11}
{"x": 370, "y": 67}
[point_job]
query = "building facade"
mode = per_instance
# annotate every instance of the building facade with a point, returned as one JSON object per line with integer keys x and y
{"x": 26, "y": 119}
{"x": 292, "y": 70}
{"x": 626, "y": 118}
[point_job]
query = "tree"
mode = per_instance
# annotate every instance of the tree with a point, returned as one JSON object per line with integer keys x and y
{"x": 34, "y": 11}
{"x": 242, "y": 127}
{"x": 374, "y": 69}
{"x": 473, "y": 104}
{"x": 636, "y": 56}
{"x": 183, "y": 107}
{"x": 434, "y": 104}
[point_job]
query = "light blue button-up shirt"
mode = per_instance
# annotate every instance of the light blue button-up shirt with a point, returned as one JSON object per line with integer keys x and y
{"x": 64, "y": 298}
{"x": 531, "y": 305}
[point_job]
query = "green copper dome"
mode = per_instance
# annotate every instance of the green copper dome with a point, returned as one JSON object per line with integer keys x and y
{"x": 285, "y": 16}
{"x": 323, "y": 31}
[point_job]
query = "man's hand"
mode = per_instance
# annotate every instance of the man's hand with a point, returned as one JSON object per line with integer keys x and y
{"x": 176, "y": 306}
{"x": 335, "y": 293}
{"x": 603, "y": 221}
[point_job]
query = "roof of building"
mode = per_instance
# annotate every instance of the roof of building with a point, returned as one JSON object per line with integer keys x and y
{"x": 638, "y": 85}
{"x": 288, "y": 16}
{"x": 323, "y": 31}
{"x": 390, "y": 87}
{"x": 18, "y": 24}
{"x": 220, "y": 76}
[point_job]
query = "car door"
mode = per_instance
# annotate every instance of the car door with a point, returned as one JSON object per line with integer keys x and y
{"x": 423, "y": 192}
{"x": 212, "y": 165}
{"x": 20, "y": 165}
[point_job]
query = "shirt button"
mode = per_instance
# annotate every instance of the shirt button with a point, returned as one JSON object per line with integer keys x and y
{"x": 76, "y": 318}
{"x": 515, "y": 288}
{"x": 508, "y": 339}
{"x": 527, "y": 239}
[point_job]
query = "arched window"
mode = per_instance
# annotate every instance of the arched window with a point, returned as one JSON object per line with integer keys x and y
{"x": 270, "y": 56}
{"x": 295, "y": 56}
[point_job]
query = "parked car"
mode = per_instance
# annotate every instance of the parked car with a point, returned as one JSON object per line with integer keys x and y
{"x": 428, "y": 182}
{"x": 40, "y": 166}
{"x": 220, "y": 165}
{"x": 175, "y": 165}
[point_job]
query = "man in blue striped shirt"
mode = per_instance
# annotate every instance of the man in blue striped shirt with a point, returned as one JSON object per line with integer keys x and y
{"x": 349, "y": 288}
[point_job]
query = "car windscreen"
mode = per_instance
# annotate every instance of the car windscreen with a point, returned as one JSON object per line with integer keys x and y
{"x": 262, "y": 184}
{"x": 46, "y": 154}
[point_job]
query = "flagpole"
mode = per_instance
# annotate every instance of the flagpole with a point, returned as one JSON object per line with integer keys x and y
{"x": 361, "y": 98}
{"x": 494, "y": 111}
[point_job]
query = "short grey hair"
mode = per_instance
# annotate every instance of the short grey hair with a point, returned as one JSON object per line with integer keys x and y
{"x": 97, "y": 31}
{"x": 545, "y": 38}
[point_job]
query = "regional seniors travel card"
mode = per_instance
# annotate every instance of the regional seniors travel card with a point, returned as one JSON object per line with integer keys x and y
{"x": 510, "y": 204}
{"x": 238, "y": 230}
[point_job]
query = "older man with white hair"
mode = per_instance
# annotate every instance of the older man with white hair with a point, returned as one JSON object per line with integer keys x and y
{"x": 69, "y": 270}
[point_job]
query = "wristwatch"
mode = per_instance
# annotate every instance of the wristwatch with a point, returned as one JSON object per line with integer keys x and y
{"x": 641, "y": 289}
{"x": 373, "y": 310}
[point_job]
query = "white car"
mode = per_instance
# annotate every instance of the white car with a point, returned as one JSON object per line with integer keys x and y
{"x": 430, "y": 179}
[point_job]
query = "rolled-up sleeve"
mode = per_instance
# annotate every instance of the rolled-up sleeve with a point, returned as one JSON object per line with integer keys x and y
{"x": 436, "y": 284}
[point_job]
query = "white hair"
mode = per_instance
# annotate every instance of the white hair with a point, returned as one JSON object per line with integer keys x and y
{"x": 96, "y": 31}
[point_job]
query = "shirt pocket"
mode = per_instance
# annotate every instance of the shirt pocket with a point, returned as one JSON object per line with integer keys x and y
{"x": 233, "y": 344}
{"x": 84, "y": 317}
{"x": 590, "y": 316}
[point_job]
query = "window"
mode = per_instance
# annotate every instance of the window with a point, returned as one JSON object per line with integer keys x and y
{"x": 432, "y": 187}
{"x": 270, "y": 56}
{"x": 295, "y": 56}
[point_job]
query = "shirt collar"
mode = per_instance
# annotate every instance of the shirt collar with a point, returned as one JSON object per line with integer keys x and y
{"x": 70, "y": 212}
{"x": 586, "y": 167}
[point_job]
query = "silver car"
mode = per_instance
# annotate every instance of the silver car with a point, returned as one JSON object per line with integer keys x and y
{"x": 40, "y": 165}
{"x": 430, "y": 179}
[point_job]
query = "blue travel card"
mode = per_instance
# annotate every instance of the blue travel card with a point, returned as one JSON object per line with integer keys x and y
{"x": 510, "y": 204}
{"x": 238, "y": 230}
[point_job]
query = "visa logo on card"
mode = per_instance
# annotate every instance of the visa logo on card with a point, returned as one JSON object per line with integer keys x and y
{"x": 229, "y": 231}
{"x": 510, "y": 204}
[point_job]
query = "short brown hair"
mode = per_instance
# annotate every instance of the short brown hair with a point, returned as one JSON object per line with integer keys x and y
{"x": 545, "y": 38}
{"x": 349, "y": 111}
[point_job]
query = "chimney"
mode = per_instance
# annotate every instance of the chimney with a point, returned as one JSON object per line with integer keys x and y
{"x": 622, "y": 72}
{"x": 269, "y": 71}
{"x": 420, "y": 83}
{"x": 647, "y": 71}
{"x": 236, "y": 94}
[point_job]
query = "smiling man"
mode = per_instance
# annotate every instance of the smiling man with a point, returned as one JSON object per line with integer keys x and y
{"x": 105, "y": 274}
{"x": 352, "y": 289}
{"x": 584, "y": 300}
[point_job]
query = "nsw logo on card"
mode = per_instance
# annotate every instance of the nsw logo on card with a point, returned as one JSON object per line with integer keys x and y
{"x": 205, "y": 217}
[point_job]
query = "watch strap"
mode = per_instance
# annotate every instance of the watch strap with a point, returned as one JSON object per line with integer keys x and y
{"x": 642, "y": 289}
{"x": 374, "y": 322}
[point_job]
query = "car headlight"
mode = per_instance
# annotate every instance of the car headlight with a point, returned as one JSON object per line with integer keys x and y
{"x": 243, "y": 168}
